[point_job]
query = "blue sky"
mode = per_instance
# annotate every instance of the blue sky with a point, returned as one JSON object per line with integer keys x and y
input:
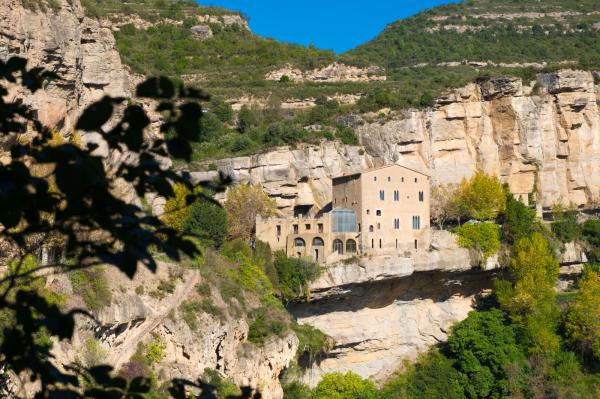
{"x": 329, "y": 24}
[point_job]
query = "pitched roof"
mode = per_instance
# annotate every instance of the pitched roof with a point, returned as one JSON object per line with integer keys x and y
{"x": 364, "y": 172}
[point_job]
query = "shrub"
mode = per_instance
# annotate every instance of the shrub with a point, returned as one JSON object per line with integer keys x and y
{"x": 93, "y": 353}
{"x": 590, "y": 231}
{"x": 223, "y": 387}
{"x": 246, "y": 119}
{"x": 208, "y": 221}
{"x": 483, "y": 237}
{"x": 177, "y": 207}
{"x": 241, "y": 144}
{"x": 519, "y": 220}
{"x": 296, "y": 390}
{"x": 566, "y": 228}
{"x": 294, "y": 275}
{"x": 344, "y": 386}
{"x": 284, "y": 79}
{"x": 266, "y": 323}
{"x": 347, "y": 136}
{"x": 312, "y": 341}
{"x": 221, "y": 109}
{"x": 154, "y": 351}
{"x": 482, "y": 197}
{"x": 92, "y": 286}
{"x": 189, "y": 313}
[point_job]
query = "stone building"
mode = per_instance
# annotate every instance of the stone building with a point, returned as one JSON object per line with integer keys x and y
{"x": 381, "y": 211}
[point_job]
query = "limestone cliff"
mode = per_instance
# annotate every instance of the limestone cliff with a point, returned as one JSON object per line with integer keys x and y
{"x": 543, "y": 139}
{"x": 79, "y": 50}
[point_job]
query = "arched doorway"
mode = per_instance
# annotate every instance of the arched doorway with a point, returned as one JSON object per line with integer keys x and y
{"x": 338, "y": 246}
{"x": 300, "y": 246}
{"x": 317, "y": 246}
{"x": 350, "y": 246}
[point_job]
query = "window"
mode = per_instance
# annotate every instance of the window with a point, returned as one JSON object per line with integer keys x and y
{"x": 307, "y": 227}
{"x": 318, "y": 242}
{"x": 371, "y": 229}
{"x": 299, "y": 242}
{"x": 421, "y": 196}
{"x": 397, "y": 224}
{"x": 372, "y": 243}
{"x": 295, "y": 229}
{"x": 396, "y": 243}
{"x": 368, "y": 211}
{"x": 320, "y": 227}
{"x": 389, "y": 178}
{"x": 416, "y": 222}
{"x": 416, "y": 180}
{"x": 380, "y": 243}
{"x": 343, "y": 221}
{"x": 416, "y": 244}
{"x": 350, "y": 246}
{"x": 359, "y": 228}
{"x": 374, "y": 178}
{"x": 378, "y": 226}
{"x": 338, "y": 246}
{"x": 378, "y": 213}
{"x": 396, "y": 195}
{"x": 402, "y": 180}
{"x": 335, "y": 201}
{"x": 278, "y": 230}
{"x": 382, "y": 195}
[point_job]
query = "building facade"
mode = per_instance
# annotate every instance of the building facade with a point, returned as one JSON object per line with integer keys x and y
{"x": 381, "y": 211}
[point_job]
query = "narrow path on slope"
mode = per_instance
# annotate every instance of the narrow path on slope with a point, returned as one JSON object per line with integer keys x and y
{"x": 122, "y": 353}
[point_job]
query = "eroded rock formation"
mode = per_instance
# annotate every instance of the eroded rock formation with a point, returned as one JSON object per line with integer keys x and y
{"x": 545, "y": 145}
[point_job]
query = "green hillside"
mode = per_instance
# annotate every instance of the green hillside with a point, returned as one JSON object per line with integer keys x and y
{"x": 500, "y": 31}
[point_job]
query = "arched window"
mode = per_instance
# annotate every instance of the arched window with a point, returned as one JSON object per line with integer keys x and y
{"x": 299, "y": 242}
{"x": 338, "y": 246}
{"x": 371, "y": 229}
{"x": 318, "y": 242}
{"x": 351, "y": 246}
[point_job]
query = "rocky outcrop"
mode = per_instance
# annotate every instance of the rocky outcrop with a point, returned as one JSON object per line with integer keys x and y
{"x": 544, "y": 144}
{"x": 377, "y": 326}
{"x": 336, "y": 72}
{"x": 140, "y": 316}
{"x": 81, "y": 51}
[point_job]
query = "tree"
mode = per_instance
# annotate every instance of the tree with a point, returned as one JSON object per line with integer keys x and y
{"x": 443, "y": 204}
{"x": 294, "y": 275}
{"x": 207, "y": 220}
{"x": 530, "y": 298}
{"x": 482, "y": 237}
{"x": 583, "y": 318}
{"x": 484, "y": 345}
{"x": 344, "y": 386}
{"x": 519, "y": 220}
{"x": 74, "y": 199}
{"x": 482, "y": 197}
{"x": 177, "y": 207}
{"x": 221, "y": 109}
{"x": 245, "y": 202}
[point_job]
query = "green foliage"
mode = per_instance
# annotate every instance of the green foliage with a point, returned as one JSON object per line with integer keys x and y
{"x": 484, "y": 345}
{"x": 530, "y": 298}
{"x": 294, "y": 275}
{"x": 189, "y": 313}
{"x": 482, "y": 197}
{"x": 221, "y": 110}
{"x": 296, "y": 390}
{"x": 91, "y": 284}
{"x": 566, "y": 228}
{"x": 483, "y": 237}
{"x": 266, "y": 323}
{"x": 246, "y": 119}
{"x": 224, "y": 388}
{"x": 154, "y": 351}
{"x": 583, "y": 318}
{"x": 519, "y": 220}
{"x": 93, "y": 353}
{"x": 208, "y": 221}
{"x": 344, "y": 386}
{"x": 312, "y": 341}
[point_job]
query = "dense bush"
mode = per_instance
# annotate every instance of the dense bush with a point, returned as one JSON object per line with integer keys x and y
{"x": 519, "y": 220}
{"x": 266, "y": 323}
{"x": 566, "y": 228}
{"x": 91, "y": 284}
{"x": 294, "y": 275}
{"x": 483, "y": 237}
{"x": 482, "y": 197}
{"x": 312, "y": 342}
{"x": 208, "y": 221}
{"x": 344, "y": 386}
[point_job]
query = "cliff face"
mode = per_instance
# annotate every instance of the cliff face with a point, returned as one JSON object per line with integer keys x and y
{"x": 79, "y": 50}
{"x": 546, "y": 144}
